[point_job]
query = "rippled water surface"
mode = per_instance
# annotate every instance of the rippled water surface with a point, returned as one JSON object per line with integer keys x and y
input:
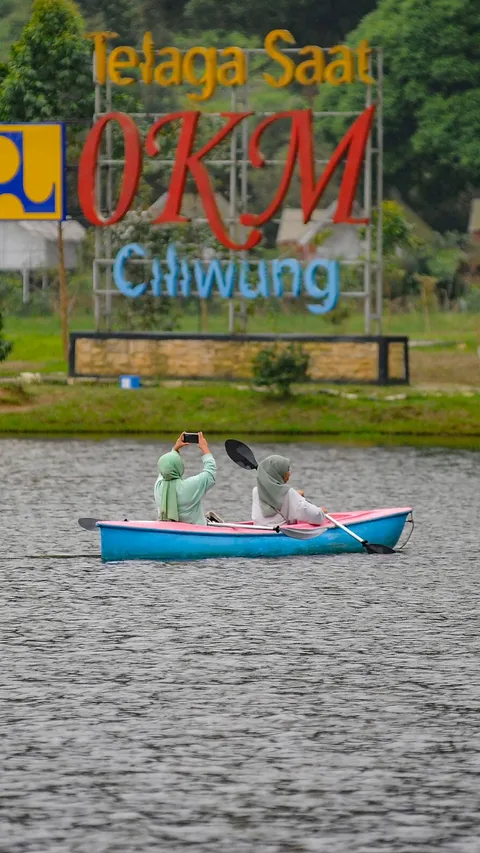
{"x": 287, "y": 706}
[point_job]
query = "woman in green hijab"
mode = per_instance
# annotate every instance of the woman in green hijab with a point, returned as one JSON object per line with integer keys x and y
{"x": 178, "y": 499}
{"x": 275, "y": 502}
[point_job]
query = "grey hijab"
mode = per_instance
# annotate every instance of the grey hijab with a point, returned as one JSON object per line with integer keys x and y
{"x": 271, "y": 488}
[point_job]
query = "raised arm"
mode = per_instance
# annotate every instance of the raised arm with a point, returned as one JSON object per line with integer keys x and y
{"x": 201, "y": 483}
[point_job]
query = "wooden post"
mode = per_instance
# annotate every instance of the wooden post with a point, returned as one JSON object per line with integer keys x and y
{"x": 62, "y": 278}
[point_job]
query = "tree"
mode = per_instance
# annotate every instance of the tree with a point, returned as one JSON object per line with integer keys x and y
{"x": 310, "y": 21}
{"x": 396, "y": 231}
{"x": 119, "y": 16}
{"x": 50, "y": 70}
{"x": 49, "y": 79}
{"x": 431, "y": 102}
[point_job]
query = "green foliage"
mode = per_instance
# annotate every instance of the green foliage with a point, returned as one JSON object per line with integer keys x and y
{"x": 13, "y": 16}
{"x": 441, "y": 261}
{"x": 5, "y": 346}
{"x": 318, "y": 22}
{"x": 321, "y": 22}
{"x": 118, "y": 16}
{"x": 278, "y": 368}
{"x": 472, "y": 301}
{"x": 339, "y": 315}
{"x": 431, "y": 101}
{"x": 148, "y": 314}
{"x": 49, "y": 73}
{"x": 39, "y": 305}
{"x": 396, "y": 231}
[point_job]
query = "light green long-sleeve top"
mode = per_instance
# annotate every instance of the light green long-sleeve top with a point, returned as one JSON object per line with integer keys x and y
{"x": 191, "y": 491}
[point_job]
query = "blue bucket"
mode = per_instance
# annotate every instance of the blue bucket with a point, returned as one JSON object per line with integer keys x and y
{"x": 129, "y": 382}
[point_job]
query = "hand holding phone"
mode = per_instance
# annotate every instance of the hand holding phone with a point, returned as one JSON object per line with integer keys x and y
{"x": 202, "y": 443}
{"x": 190, "y": 437}
{"x": 180, "y": 443}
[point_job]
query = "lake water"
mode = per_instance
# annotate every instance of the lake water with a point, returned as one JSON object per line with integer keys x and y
{"x": 326, "y": 704}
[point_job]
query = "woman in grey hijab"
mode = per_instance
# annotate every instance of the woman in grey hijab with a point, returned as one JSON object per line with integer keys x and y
{"x": 275, "y": 502}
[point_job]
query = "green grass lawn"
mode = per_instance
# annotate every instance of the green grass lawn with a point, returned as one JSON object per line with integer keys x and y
{"x": 227, "y": 409}
{"x": 37, "y": 343}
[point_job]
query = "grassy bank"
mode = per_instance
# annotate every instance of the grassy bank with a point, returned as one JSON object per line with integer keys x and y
{"x": 223, "y": 410}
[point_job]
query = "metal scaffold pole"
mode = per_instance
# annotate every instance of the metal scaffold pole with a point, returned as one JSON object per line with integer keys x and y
{"x": 379, "y": 269}
{"x": 109, "y": 202}
{"x": 96, "y": 272}
{"x": 233, "y": 202}
{"x": 367, "y": 212}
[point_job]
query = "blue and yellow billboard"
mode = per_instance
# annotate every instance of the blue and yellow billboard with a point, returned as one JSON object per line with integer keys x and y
{"x": 32, "y": 171}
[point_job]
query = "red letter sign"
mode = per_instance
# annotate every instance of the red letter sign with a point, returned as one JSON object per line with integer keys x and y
{"x": 301, "y": 145}
{"x": 87, "y": 169}
{"x": 187, "y": 161}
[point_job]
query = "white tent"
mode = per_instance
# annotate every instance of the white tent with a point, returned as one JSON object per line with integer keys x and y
{"x": 27, "y": 246}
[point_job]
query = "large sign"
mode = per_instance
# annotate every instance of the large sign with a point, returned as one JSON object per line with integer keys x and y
{"x": 32, "y": 171}
{"x": 206, "y": 67}
{"x": 262, "y": 279}
{"x": 188, "y": 163}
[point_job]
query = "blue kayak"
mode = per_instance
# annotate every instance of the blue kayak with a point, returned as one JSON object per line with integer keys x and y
{"x": 175, "y": 541}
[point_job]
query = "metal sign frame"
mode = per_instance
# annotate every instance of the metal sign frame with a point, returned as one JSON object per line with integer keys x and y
{"x": 238, "y": 164}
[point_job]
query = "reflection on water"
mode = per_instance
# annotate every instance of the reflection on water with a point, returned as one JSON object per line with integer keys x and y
{"x": 311, "y": 704}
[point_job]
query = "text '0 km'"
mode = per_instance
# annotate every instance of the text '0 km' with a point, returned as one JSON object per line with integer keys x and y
{"x": 188, "y": 163}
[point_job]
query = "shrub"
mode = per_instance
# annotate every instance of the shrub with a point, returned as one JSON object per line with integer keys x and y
{"x": 5, "y": 346}
{"x": 148, "y": 314}
{"x": 472, "y": 301}
{"x": 277, "y": 367}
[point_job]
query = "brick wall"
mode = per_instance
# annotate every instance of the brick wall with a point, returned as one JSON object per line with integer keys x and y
{"x": 354, "y": 359}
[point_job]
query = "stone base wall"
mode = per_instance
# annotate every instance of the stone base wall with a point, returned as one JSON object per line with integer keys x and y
{"x": 176, "y": 356}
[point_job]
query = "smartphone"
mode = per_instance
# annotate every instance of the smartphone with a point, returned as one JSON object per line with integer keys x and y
{"x": 190, "y": 437}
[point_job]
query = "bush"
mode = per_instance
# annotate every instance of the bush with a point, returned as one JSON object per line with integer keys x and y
{"x": 5, "y": 346}
{"x": 40, "y": 303}
{"x": 278, "y": 368}
{"x": 472, "y": 301}
{"x": 148, "y": 314}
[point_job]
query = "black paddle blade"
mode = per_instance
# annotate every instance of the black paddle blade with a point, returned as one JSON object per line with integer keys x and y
{"x": 241, "y": 454}
{"x": 88, "y": 523}
{"x": 378, "y": 549}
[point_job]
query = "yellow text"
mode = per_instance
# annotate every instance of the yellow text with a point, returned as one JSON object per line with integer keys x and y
{"x": 205, "y": 68}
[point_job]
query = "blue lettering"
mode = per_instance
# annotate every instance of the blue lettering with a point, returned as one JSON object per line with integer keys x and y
{"x": 330, "y": 293}
{"x": 178, "y": 278}
{"x": 186, "y": 279}
{"x": 171, "y": 277}
{"x": 277, "y": 273}
{"x": 125, "y": 286}
{"x": 156, "y": 281}
{"x": 205, "y": 280}
{"x": 261, "y": 289}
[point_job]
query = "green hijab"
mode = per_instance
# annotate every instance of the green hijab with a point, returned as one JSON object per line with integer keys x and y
{"x": 171, "y": 467}
{"x": 271, "y": 487}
